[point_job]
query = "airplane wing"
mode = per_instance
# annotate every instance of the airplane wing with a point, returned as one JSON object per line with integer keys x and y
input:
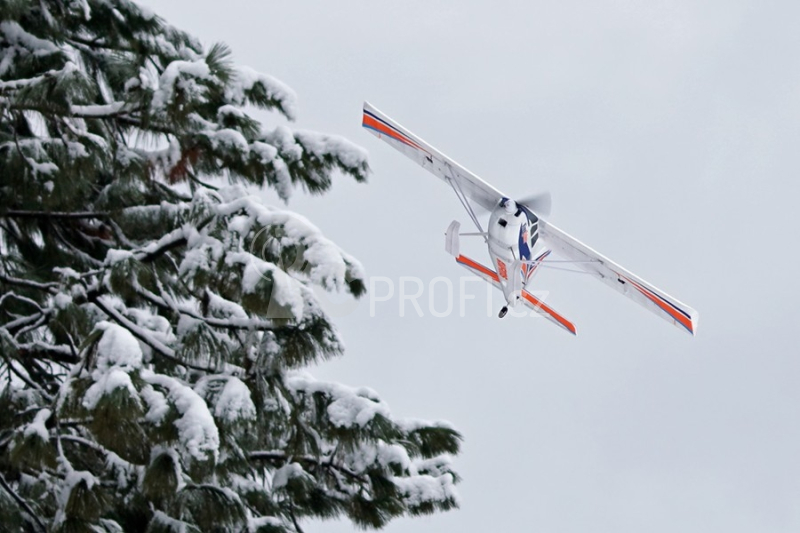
{"x": 430, "y": 158}
{"x": 618, "y": 278}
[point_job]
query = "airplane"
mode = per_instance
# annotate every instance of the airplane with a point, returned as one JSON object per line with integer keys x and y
{"x": 519, "y": 240}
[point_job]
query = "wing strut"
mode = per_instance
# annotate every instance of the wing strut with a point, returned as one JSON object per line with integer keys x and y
{"x": 548, "y": 263}
{"x": 463, "y": 198}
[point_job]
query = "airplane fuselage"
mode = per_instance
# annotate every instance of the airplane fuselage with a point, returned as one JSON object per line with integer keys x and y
{"x": 513, "y": 246}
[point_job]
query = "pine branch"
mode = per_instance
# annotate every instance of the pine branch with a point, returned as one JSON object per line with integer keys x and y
{"x": 112, "y": 110}
{"x": 151, "y": 256}
{"x": 142, "y": 334}
{"x": 36, "y": 324}
{"x": 119, "y": 234}
{"x": 94, "y": 45}
{"x": 136, "y": 123}
{"x": 12, "y": 213}
{"x": 15, "y": 327}
{"x": 96, "y": 447}
{"x": 49, "y": 352}
{"x": 49, "y": 287}
{"x": 13, "y": 369}
{"x": 23, "y": 299}
{"x": 280, "y": 456}
{"x": 173, "y": 194}
{"x": 294, "y": 519}
{"x": 80, "y": 253}
{"x": 115, "y": 110}
{"x": 170, "y": 241}
{"x": 75, "y": 422}
{"x": 22, "y": 503}
{"x": 230, "y": 324}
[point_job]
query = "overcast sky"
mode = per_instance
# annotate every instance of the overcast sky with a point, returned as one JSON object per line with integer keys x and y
{"x": 669, "y": 136}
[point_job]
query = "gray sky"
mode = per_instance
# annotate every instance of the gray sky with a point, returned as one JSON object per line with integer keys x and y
{"x": 668, "y": 134}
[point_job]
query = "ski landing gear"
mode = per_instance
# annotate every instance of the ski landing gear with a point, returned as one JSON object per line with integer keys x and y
{"x": 503, "y": 312}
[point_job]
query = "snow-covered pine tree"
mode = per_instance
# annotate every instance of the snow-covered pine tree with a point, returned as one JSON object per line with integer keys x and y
{"x": 153, "y": 325}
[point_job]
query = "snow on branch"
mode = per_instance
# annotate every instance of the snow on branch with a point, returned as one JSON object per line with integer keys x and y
{"x": 118, "y": 354}
{"x": 14, "y": 33}
{"x": 23, "y": 504}
{"x": 230, "y": 397}
{"x": 322, "y": 261}
{"x": 197, "y": 431}
{"x": 250, "y": 86}
{"x": 324, "y": 146}
{"x": 99, "y": 110}
{"x": 184, "y": 74}
{"x": 348, "y": 406}
{"x": 420, "y": 490}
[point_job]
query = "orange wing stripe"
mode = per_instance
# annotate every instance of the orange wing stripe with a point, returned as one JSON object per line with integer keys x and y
{"x": 549, "y": 310}
{"x": 370, "y": 122}
{"x": 685, "y": 322}
{"x": 464, "y": 260}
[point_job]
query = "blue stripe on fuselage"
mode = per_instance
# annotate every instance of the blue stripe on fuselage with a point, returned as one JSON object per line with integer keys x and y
{"x": 524, "y": 249}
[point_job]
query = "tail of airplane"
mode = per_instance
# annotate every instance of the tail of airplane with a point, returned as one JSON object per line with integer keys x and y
{"x": 476, "y": 268}
{"x": 528, "y": 299}
{"x": 548, "y": 312}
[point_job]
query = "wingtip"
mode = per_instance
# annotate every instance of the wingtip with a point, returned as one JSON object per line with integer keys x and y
{"x": 571, "y": 328}
{"x": 368, "y": 107}
{"x": 690, "y": 325}
{"x": 695, "y": 320}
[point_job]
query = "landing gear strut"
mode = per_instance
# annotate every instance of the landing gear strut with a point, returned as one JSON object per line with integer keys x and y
{"x": 503, "y": 312}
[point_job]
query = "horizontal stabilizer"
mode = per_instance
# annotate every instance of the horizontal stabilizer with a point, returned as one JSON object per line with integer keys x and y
{"x": 546, "y": 311}
{"x": 477, "y": 268}
{"x": 528, "y": 299}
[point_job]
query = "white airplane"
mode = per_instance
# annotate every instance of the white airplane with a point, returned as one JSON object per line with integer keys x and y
{"x": 519, "y": 240}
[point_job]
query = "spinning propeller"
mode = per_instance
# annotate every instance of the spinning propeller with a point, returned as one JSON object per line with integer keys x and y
{"x": 538, "y": 203}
